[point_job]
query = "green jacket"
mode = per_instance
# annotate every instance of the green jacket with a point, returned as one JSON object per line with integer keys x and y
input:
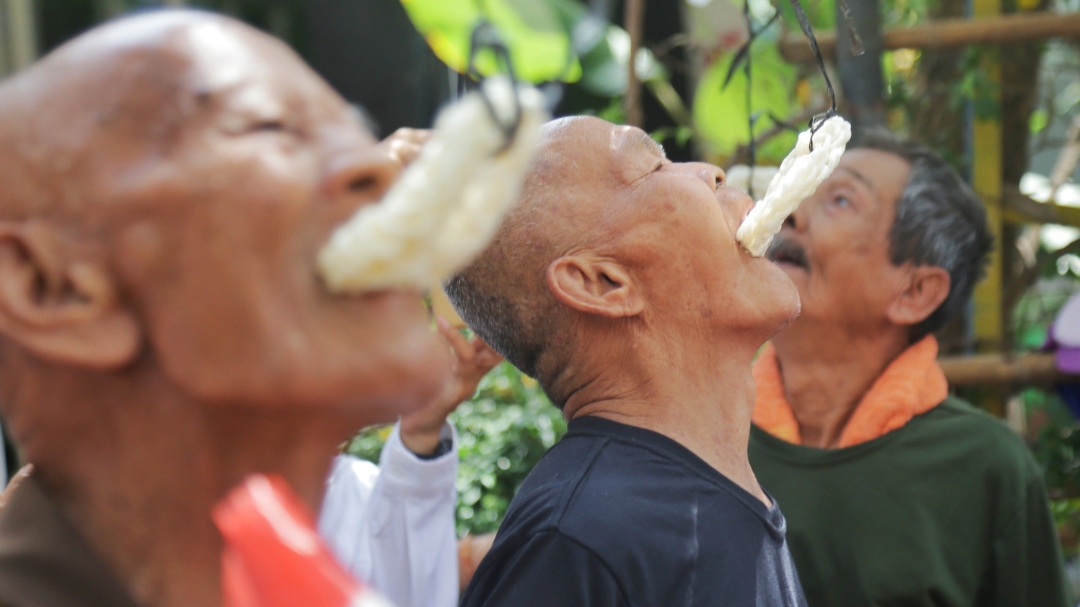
{"x": 949, "y": 510}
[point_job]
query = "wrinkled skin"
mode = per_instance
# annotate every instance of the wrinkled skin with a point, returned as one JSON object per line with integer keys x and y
{"x": 166, "y": 182}
{"x": 842, "y": 230}
{"x": 671, "y": 226}
{"x": 630, "y": 261}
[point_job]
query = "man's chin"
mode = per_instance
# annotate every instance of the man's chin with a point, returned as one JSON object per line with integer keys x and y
{"x": 793, "y": 314}
{"x": 791, "y": 303}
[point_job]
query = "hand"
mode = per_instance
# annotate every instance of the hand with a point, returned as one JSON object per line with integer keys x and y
{"x": 404, "y": 145}
{"x": 420, "y": 430}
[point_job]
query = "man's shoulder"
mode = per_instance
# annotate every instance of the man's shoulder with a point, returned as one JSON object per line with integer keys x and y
{"x": 957, "y": 415}
{"x": 973, "y": 435}
{"x": 641, "y": 512}
{"x": 577, "y": 487}
{"x": 580, "y": 481}
{"x": 545, "y": 568}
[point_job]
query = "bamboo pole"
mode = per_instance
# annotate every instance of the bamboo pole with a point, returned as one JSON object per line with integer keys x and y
{"x": 1020, "y": 209}
{"x": 988, "y": 322}
{"x": 634, "y": 19}
{"x": 18, "y": 43}
{"x": 1038, "y": 369}
{"x": 951, "y": 33}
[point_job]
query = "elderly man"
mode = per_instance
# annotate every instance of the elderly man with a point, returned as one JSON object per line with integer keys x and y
{"x": 165, "y": 185}
{"x": 618, "y": 285}
{"x": 895, "y": 492}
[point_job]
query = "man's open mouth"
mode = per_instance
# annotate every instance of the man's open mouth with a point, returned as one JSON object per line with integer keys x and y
{"x": 784, "y": 250}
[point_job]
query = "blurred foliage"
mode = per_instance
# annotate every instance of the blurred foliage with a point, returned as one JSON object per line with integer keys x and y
{"x": 1067, "y": 517}
{"x": 61, "y": 20}
{"x": 598, "y": 50}
{"x": 503, "y": 430}
{"x": 548, "y": 40}
{"x": 820, "y": 13}
{"x": 1055, "y": 440}
{"x": 1053, "y": 432}
{"x": 721, "y": 111}
{"x": 536, "y": 34}
{"x": 1037, "y": 308}
{"x": 976, "y": 86}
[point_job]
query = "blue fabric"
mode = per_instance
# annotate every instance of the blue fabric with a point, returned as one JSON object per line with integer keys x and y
{"x": 616, "y": 515}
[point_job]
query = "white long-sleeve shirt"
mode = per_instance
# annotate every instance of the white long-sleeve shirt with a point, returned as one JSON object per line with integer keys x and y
{"x": 392, "y": 525}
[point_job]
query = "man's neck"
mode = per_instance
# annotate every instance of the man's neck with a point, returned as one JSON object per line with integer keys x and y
{"x": 701, "y": 398}
{"x": 827, "y": 370}
{"x": 150, "y": 472}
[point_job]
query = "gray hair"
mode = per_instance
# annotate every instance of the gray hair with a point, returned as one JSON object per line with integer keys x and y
{"x": 939, "y": 222}
{"x": 509, "y": 326}
{"x": 502, "y": 296}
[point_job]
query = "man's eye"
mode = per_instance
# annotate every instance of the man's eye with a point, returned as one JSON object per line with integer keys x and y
{"x": 842, "y": 201}
{"x": 269, "y": 126}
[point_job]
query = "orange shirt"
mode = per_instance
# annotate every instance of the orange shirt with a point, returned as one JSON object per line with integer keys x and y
{"x": 912, "y": 384}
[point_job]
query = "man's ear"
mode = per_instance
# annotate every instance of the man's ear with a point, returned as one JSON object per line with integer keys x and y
{"x": 590, "y": 284}
{"x": 67, "y": 313}
{"x": 927, "y": 287}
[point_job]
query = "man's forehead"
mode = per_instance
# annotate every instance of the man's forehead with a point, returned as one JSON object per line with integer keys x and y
{"x": 220, "y": 58}
{"x": 627, "y": 139}
{"x": 883, "y": 173}
{"x": 588, "y": 134}
{"x": 586, "y": 148}
{"x": 205, "y": 52}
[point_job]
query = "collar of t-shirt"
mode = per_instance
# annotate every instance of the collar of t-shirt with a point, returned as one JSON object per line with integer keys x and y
{"x": 912, "y": 384}
{"x": 672, "y": 450}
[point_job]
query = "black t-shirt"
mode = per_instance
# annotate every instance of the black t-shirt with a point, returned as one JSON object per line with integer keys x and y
{"x": 619, "y": 515}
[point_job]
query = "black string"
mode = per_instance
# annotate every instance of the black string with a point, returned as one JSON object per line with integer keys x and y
{"x": 804, "y": 23}
{"x": 784, "y": 124}
{"x": 749, "y": 90}
{"x": 743, "y": 54}
{"x": 743, "y": 58}
{"x": 485, "y": 37}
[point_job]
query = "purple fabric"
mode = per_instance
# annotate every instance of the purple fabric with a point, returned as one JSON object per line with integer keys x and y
{"x": 1068, "y": 360}
{"x": 1065, "y": 330}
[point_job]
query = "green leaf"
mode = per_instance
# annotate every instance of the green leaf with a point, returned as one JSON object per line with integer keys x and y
{"x": 536, "y": 35}
{"x": 605, "y": 65}
{"x": 720, "y": 113}
{"x": 1038, "y": 120}
{"x": 820, "y": 13}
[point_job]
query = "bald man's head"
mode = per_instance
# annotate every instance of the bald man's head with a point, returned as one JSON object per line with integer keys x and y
{"x": 166, "y": 183}
{"x": 117, "y": 97}
{"x": 611, "y": 242}
{"x": 502, "y": 295}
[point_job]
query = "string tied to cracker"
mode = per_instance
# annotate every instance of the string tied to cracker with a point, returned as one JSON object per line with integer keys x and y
{"x": 447, "y": 205}
{"x": 798, "y": 177}
{"x": 816, "y": 154}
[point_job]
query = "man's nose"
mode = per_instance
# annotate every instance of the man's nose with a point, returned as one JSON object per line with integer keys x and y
{"x": 712, "y": 175}
{"x": 363, "y": 175}
{"x": 797, "y": 220}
